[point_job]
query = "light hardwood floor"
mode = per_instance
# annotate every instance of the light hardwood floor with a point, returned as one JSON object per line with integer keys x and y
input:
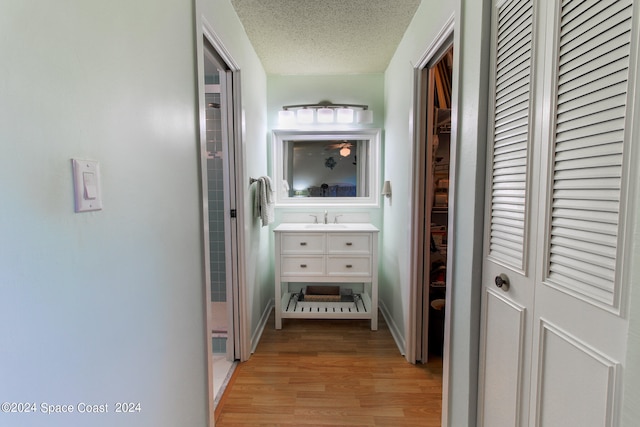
{"x": 331, "y": 373}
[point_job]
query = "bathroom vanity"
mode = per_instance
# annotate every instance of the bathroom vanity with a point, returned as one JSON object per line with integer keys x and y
{"x": 340, "y": 254}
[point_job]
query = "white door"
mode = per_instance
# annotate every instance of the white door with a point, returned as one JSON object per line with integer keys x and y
{"x": 506, "y": 335}
{"x": 554, "y": 343}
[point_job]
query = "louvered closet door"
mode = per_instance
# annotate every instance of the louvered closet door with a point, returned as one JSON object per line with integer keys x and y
{"x": 507, "y": 311}
{"x": 553, "y": 344}
{"x": 579, "y": 324}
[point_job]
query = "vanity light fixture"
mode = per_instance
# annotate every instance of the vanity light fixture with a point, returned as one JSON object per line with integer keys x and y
{"x": 325, "y": 112}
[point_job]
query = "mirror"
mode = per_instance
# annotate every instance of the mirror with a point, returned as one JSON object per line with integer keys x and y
{"x": 327, "y": 168}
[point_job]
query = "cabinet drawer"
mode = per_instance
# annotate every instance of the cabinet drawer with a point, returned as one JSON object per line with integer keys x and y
{"x": 302, "y": 265}
{"x": 349, "y": 243}
{"x": 349, "y": 266}
{"x": 302, "y": 243}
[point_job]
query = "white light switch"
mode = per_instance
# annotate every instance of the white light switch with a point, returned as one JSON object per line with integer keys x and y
{"x": 86, "y": 183}
{"x": 89, "y": 180}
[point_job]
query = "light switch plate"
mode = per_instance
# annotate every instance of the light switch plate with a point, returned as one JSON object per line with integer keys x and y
{"x": 86, "y": 185}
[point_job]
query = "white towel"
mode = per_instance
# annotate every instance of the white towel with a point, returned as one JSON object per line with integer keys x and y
{"x": 263, "y": 201}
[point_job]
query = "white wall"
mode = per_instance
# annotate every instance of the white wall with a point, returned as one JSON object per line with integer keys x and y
{"x": 469, "y": 97}
{"x": 107, "y": 306}
{"x": 398, "y": 166}
{"x": 398, "y": 163}
{"x": 221, "y": 18}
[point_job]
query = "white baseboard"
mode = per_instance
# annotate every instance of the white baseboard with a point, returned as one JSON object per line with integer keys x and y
{"x": 393, "y": 328}
{"x": 257, "y": 334}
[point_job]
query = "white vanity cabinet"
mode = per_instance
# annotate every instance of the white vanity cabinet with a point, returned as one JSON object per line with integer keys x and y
{"x": 341, "y": 254}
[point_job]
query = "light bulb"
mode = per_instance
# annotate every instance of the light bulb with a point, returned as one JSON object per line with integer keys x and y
{"x": 286, "y": 118}
{"x": 364, "y": 116}
{"x": 305, "y": 116}
{"x": 325, "y": 115}
{"x": 344, "y": 115}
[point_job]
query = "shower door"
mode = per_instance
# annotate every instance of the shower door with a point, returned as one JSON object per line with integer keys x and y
{"x": 220, "y": 224}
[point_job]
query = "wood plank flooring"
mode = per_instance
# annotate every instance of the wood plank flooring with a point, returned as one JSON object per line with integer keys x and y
{"x": 331, "y": 373}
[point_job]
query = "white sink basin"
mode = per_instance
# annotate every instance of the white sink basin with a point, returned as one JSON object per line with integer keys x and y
{"x": 326, "y": 226}
{"x": 291, "y": 226}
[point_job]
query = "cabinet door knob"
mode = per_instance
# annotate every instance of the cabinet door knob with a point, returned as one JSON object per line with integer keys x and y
{"x": 303, "y": 243}
{"x": 349, "y": 243}
{"x": 303, "y": 265}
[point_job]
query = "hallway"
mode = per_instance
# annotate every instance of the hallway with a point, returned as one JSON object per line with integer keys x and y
{"x": 331, "y": 372}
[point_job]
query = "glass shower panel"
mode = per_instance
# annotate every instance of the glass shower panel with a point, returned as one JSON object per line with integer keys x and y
{"x": 215, "y": 184}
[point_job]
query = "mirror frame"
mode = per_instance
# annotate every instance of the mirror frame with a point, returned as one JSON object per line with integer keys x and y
{"x": 372, "y": 136}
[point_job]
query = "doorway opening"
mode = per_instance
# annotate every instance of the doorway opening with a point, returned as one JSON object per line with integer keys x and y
{"x": 220, "y": 232}
{"x": 434, "y": 183}
{"x": 431, "y": 201}
{"x": 432, "y": 197}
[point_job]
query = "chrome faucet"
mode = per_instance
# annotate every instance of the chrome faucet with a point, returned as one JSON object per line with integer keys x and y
{"x": 315, "y": 218}
{"x": 325, "y": 217}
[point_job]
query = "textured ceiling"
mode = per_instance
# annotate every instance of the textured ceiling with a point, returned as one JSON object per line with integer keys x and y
{"x": 325, "y": 36}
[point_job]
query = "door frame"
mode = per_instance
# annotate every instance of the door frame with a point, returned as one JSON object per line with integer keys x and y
{"x": 241, "y": 336}
{"x": 416, "y": 318}
{"x": 423, "y": 209}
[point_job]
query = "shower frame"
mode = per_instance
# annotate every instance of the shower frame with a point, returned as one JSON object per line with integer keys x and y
{"x": 234, "y": 216}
